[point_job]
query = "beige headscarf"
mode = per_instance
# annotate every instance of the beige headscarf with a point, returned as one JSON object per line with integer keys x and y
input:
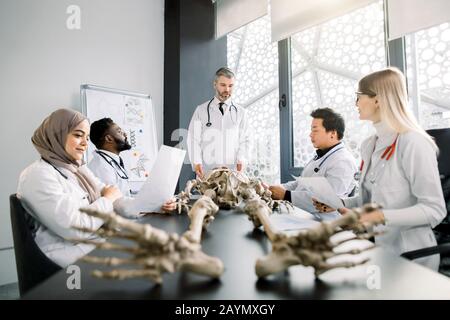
{"x": 50, "y": 141}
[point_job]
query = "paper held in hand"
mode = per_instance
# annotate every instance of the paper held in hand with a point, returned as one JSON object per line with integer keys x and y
{"x": 320, "y": 189}
{"x": 162, "y": 181}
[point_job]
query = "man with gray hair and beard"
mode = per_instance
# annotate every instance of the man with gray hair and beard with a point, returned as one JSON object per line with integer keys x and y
{"x": 217, "y": 135}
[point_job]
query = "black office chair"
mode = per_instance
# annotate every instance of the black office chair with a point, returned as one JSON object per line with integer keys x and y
{"x": 442, "y": 231}
{"x": 32, "y": 264}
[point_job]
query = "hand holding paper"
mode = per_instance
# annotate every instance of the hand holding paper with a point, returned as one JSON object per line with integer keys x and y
{"x": 160, "y": 185}
{"x": 320, "y": 189}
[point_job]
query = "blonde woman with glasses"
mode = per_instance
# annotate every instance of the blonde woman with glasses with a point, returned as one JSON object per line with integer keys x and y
{"x": 398, "y": 169}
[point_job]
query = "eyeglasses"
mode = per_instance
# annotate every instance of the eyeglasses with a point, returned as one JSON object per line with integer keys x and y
{"x": 361, "y": 93}
{"x": 365, "y": 93}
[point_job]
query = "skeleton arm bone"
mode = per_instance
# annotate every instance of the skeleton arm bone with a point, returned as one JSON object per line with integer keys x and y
{"x": 201, "y": 214}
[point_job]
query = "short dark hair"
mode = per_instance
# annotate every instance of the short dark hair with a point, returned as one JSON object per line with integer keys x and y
{"x": 331, "y": 120}
{"x": 98, "y": 131}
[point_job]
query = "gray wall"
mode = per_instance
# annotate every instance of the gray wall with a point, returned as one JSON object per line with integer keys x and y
{"x": 42, "y": 64}
{"x": 192, "y": 57}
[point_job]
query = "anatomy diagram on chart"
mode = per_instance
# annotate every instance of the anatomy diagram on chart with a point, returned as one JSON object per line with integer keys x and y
{"x": 139, "y": 169}
{"x": 132, "y": 139}
{"x": 136, "y": 138}
{"x": 134, "y": 115}
{"x": 134, "y": 112}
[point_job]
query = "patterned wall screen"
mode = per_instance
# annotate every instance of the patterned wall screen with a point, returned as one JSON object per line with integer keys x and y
{"x": 428, "y": 71}
{"x": 327, "y": 62}
{"x": 255, "y": 60}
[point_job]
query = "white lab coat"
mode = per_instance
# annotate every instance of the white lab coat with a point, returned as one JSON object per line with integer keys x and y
{"x": 54, "y": 202}
{"x": 225, "y": 142}
{"x": 108, "y": 171}
{"x": 408, "y": 187}
{"x": 338, "y": 168}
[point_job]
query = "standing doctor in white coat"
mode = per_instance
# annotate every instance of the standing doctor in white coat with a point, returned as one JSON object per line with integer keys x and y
{"x": 218, "y": 134}
{"x": 332, "y": 161}
{"x": 399, "y": 169}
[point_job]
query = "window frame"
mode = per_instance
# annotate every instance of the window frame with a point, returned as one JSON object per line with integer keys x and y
{"x": 395, "y": 51}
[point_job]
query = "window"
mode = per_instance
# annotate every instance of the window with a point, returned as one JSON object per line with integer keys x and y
{"x": 327, "y": 62}
{"x": 255, "y": 61}
{"x": 428, "y": 73}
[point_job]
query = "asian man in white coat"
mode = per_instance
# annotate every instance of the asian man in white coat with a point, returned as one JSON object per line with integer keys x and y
{"x": 217, "y": 133}
{"x": 332, "y": 161}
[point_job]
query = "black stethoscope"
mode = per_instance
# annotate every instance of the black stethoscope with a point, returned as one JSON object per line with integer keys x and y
{"x": 316, "y": 169}
{"x": 122, "y": 174}
{"x": 208, "y": 124}
{"x": 57, "y": 169}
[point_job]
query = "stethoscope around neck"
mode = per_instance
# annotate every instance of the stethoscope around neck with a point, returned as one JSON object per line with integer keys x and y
{"x": 56, "y": 168}
{"x": 316, "y": 169}
{"x": 118, "y": 168}
{"x": 208, "y": 124}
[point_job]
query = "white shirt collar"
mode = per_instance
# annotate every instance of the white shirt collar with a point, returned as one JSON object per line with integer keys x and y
{"x": 385, "y": 134}
{"x": 226, "y": 102}
{"x": 111, "y": 154}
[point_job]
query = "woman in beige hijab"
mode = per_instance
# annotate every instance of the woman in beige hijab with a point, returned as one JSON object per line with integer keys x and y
{"x": 53, "y": 188}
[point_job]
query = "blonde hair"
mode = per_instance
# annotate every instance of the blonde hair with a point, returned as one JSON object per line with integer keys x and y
{"x": 389, "y": 88}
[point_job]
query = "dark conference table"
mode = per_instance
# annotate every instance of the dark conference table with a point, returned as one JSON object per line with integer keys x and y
{"x": 231, "y": 237}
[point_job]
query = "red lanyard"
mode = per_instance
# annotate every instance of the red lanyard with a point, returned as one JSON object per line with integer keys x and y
{"x": 386, "y": 154}
{"x": 389, "y": 150}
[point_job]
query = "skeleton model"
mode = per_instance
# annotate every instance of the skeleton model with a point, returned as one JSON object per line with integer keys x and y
{"x": 229, "y": 188}
{"x": 158, "y": 252}
{"x": 311, "y": 247}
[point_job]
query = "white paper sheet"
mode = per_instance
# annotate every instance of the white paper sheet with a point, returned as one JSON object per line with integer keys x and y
{"x": 290, "y": 222}
{"x": 320, "y": 188}
{"x": 162, "y": 181}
